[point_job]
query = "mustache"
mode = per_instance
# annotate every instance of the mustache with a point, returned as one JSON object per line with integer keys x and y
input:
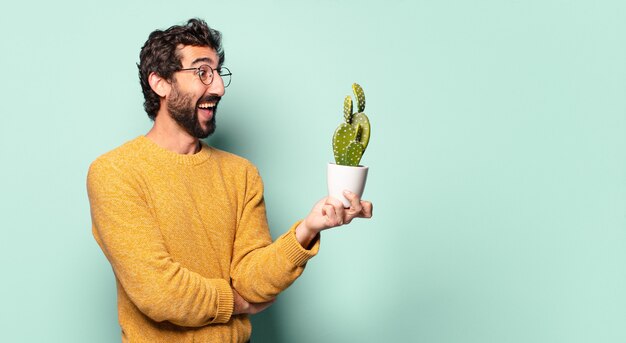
{"x": 209, "y": 98}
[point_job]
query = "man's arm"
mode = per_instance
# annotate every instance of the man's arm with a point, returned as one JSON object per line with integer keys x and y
{"x": 128, "y": 234}
{"x": 260, "y": 271}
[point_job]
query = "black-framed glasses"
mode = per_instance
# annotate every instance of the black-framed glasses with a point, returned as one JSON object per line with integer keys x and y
{"x": 205, "y": 73}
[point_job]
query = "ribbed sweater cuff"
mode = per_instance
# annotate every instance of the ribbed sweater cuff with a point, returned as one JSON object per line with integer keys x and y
{"x": 292, "y": 248}
{"x": 225, "y": 302}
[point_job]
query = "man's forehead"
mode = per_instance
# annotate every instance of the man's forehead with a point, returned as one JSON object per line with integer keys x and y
{"x": 190, "y": 56}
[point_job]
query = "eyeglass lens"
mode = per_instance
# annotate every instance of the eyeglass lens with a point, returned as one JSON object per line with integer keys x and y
{"x": 206, "y": 75}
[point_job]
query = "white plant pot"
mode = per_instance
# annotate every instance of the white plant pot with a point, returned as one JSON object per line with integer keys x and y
{"x": 341, "y": 178}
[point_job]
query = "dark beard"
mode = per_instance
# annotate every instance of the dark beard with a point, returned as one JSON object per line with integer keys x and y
{"x": 183, "y": 111}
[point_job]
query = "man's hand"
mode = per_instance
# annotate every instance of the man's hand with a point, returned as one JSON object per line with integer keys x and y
{"x": 328, "y": 213}
{"x": 244, "y": 307}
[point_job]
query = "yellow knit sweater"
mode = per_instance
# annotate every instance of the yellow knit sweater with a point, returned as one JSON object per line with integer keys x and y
{"x": 179, "y": 232}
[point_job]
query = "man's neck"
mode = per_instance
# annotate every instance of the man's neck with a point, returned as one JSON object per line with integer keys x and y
{"x": 167, "y": 134}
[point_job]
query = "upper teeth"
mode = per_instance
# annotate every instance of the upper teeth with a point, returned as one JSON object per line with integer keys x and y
{"x": 207, "y": 105}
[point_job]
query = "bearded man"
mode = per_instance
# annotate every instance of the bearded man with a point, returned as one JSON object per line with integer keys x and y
{"x": 183, "y": 224}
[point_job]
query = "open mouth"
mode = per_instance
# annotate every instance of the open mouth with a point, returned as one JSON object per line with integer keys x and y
{"x": 207, "y": 109}
{"x": 209, "y": 105}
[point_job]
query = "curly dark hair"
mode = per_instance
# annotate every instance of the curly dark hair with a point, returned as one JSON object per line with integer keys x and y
{"x": 159, "y": 55}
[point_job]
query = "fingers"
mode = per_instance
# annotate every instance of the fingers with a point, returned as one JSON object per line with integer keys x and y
{"x": 358, "y": 208}
{"x": 368, "y": 209}
{"x": 334, "y": 212}
{"x": 258, "y": 307}
{"x": 330, "y": 212}
{"x": 242, "y": 306}
{"x": 355, "y": 204}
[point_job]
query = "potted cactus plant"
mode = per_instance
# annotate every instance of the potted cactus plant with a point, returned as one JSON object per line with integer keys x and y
{"x": 349, "y": 143}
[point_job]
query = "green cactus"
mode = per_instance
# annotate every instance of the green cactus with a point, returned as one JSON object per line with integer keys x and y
{"x": 351, "y": 137}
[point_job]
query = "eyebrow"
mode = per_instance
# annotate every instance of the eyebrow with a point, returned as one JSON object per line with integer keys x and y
{"x": 202, "y": 59}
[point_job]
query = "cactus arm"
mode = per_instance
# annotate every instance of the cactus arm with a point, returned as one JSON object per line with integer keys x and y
{"x": 357, "y": 135}
{"x": 362, "y": 121}
{"x": 354, "y": 152}
{"x": 360, "y": 96}
{"x": 343, "y": 136}
{"x": 347, "y": 109}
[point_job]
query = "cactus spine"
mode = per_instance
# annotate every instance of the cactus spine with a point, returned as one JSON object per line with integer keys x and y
{"x": 352, "y": 136}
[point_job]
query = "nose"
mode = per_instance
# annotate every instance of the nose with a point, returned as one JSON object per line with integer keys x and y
{"x": 217, "y": 86}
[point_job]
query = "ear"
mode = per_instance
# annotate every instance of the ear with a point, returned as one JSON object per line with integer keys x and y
{"x": 159, "y": 85}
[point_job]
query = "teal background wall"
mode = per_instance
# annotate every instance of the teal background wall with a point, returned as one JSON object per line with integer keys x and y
{"x": 498, "y": 165}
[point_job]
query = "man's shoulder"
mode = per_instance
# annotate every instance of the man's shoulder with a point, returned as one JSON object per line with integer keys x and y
{"x": 120, "y": 156}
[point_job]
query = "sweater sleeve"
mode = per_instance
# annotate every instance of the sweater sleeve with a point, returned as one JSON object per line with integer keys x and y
{"x": 126, "y": 229}
{"x": 261, "y": 269}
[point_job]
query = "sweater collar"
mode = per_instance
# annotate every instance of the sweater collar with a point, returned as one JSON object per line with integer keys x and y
{"x": 164, "y": 155}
